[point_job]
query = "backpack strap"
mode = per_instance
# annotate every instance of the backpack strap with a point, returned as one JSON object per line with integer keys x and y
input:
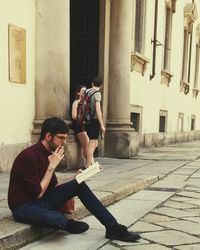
{"x": 91, "y": 92}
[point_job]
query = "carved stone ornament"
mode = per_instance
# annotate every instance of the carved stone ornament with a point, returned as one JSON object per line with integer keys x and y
{"x": 166, "y": 77}
{"x": 190, "y": 13}
{"x": 184, "y": 87}
{"x": 195, "y": 92}
{"x": 171, "y": 4}
{"x": 139, "y": 62}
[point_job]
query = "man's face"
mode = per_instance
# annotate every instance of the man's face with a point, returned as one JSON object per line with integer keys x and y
{"x": 57, "y": 140}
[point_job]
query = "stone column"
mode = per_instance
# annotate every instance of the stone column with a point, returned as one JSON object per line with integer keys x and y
{"x": 120, "y": 138}
{"x": 52, "y": 95}
{"x": 52, "y": 59}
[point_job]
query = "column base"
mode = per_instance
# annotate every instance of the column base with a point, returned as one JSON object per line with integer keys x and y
{"x": 121, "y": 141}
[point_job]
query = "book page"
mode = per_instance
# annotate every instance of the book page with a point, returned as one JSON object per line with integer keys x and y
{"x": 88, "y": 172}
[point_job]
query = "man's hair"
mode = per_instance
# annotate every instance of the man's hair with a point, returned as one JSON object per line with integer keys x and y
{"x": 53, "y": 125}
{"x": 97, "y": 81}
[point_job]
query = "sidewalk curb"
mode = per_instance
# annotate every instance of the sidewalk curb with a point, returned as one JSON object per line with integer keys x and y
{"x": 21, "y": 234}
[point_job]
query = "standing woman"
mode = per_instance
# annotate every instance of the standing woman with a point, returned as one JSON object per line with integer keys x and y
{"x": 78, "y": 128}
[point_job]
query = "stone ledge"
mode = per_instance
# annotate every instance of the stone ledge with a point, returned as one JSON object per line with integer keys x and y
{"x": 15, "y": 235}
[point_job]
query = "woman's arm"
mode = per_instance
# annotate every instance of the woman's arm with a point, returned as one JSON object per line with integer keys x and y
{"x": 74, "y": 110}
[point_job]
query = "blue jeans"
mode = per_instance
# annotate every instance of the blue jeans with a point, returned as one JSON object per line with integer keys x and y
{"x": 43, "y": 212}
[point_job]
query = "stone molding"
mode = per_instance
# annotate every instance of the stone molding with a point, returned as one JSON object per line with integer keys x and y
{"x": 166, "y": 77}
{"x": 184, "y": 87}
{"x": 171, "y": 4}
{"x": 139, "y": 62}
{"x": 195, "y": 92}
{"x": 190, "y": 15}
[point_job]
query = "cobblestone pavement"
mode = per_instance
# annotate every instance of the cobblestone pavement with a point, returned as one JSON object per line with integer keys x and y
{"x": 167, "y": 214}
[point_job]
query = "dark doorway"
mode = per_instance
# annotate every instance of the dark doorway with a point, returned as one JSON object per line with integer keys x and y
{"x": 84, "y": 42}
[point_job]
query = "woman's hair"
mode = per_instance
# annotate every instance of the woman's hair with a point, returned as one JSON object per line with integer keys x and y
{"x": 78, "y": 89}
{"x": 53, "y": 125}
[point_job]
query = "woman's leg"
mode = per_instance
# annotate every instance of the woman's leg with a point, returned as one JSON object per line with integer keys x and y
{"x": 84, "y": 141}
{"x": 90, "y": 152}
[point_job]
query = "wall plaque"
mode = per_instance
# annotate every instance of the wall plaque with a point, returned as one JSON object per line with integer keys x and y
{"x": 17, "y": 54}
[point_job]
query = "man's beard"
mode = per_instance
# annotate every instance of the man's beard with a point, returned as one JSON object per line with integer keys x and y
{"x": 52, "y": 145}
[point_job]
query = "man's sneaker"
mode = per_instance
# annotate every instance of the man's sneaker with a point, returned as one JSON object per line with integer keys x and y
{"x": 76, "y": 227}
{"x": 120, "y": 232}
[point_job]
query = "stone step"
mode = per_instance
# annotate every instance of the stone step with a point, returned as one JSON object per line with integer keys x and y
{"x": 14, "y": 235}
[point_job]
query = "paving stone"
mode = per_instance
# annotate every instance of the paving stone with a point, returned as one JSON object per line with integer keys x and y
{"x": 146, "y": 247}
{"x": 193, "y": 182}
{"x": 194, "y": 210}
{"x": 4, "y": 212}
{"x": 189, "y": 247}
{"x": 195, "y": 189}
{"x": 170, "y": 238}
{"x": 185, "y": 171}
{"x": 194, "y": 219}
{"x": 61, "y": 240}
{"x": 141, "y": 226}
{"x": 189, "y": 194}
{"x": 169, "y": 183}
{"x": 153, "y": 218}
{"x": 153, "y": 195}
{"x": 178, "y": 205}
{"x": 195, "y": 163}
{"x": 196, "y": 175}
{"x": 109, "y": 247}
{"x": 173, "y": 212}
{"x": 176, "y": 177}
{"x": 4, "y": 203}
{"x": 122, "y": 244}
{"x": 182, "y": 225}
{"x": 185, "y": 200}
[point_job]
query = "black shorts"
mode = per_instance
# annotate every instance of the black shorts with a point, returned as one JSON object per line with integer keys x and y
{"x": 93, "y": 129}
{"x": 78, "y": 128}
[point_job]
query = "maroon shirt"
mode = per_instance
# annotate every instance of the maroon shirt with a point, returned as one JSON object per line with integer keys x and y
{"x": 27, "y": 172}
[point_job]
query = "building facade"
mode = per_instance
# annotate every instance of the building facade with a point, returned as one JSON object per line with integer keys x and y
{"x": 147, "y": 52}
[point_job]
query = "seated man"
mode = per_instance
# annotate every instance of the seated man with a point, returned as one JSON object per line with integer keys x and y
{"x": 34, "y": 195}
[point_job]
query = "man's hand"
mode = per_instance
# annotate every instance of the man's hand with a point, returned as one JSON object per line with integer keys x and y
{"x": 56, "y": 157}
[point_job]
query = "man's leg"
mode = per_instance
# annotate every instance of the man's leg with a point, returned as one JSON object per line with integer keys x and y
{"x": 113, "y": 229}
{"x": 43, "y": 212}
{"x": 57, "y": 196}
{"x": 38, "y": 214}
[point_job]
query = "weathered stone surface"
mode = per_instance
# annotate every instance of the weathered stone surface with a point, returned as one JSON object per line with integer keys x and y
{"x": 189, "y": 247}
{"x": 146, "y": 247}
{"x": 183, "y": 226}
{"x": 170, "y": 238}
{"x": 141, "y": 226}
{"x": 186, "y": 200}
{"x": 172, "y": 212}
{"x": 178, "y": 205}
{"x": 153, "y": 218}
{"x": 189, "y": 194}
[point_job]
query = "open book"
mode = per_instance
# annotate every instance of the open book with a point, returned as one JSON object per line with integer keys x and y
{"x": 88, "y": 172}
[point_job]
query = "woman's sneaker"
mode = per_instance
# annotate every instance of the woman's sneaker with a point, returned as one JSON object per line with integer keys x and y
{"x": 76, "y": 227}
{"x": 120, "y": 232}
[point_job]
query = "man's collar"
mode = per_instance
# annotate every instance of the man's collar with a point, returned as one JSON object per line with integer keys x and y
{"x": 43, "y": 149}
